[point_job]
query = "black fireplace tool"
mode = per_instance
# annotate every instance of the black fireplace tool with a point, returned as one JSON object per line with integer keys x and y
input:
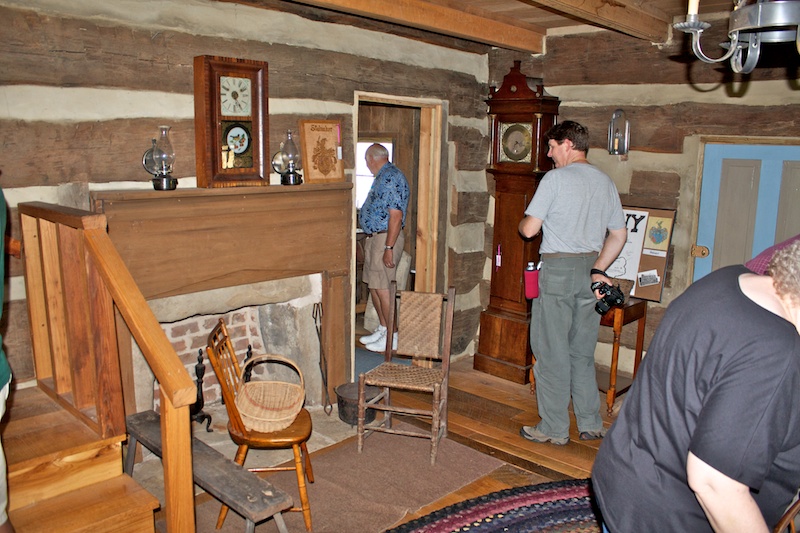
{"x": 196, "y": 410}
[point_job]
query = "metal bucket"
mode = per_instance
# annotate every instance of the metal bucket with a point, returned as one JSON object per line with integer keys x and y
{"x": 347, "y": 400}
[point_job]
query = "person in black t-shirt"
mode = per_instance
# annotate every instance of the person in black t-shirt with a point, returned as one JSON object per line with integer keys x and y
{"x": 709, "y": 435}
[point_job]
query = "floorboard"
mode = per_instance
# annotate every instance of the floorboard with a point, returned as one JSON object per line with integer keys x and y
{"x": 486, "y": 412}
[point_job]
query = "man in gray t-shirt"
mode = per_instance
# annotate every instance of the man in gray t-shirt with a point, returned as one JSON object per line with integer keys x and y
{"x": 578, "y": 210}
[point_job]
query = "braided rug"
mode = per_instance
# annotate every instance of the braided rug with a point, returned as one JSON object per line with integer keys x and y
{"x": 556, "y": 507}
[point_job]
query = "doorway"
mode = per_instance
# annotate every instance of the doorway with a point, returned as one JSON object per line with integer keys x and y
{"x": 746, "y": 201}
{"x": 415, "y": 127}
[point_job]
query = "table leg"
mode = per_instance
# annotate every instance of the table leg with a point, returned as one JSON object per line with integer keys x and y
{"x": 639, "y": 341}
{"x": 611, "y": 394}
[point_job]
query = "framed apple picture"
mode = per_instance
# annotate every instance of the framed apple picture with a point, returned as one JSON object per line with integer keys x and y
{"x": 231, "y": 120}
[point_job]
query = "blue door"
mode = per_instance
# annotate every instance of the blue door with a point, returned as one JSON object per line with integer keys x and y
{"x": 739, "y": 201}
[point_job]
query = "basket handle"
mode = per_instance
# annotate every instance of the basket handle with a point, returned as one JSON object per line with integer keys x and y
{"x": 271, "y": 358}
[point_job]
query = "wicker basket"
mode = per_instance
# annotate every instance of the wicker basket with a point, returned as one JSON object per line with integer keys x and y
{"x": 268, "y": 406}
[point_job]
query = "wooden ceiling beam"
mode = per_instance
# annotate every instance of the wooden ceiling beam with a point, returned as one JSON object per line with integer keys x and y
{"x": 612, "y": 14}
{"x": 472, "y": 24}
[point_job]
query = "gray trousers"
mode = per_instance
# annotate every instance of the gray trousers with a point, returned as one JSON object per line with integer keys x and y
{"x": 564, "y": 328}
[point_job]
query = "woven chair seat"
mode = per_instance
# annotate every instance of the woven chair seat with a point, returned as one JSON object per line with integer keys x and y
{"x": 403, "y": 376}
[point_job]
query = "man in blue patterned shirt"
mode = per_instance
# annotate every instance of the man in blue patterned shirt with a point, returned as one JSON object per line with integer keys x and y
{"x": 382, "y": 218}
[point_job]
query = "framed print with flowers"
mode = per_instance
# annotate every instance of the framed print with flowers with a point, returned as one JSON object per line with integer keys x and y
{"x": 321, "y": 146}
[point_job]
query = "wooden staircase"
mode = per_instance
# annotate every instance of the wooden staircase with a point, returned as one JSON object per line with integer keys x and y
{"x": 63, "y": 437}
{"x": 63, "y": 477}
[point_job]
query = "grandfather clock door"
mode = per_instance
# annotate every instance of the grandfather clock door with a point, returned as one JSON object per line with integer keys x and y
{"x": 511, "y": 252}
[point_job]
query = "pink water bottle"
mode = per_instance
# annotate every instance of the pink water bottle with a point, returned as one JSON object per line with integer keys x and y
{"x": 531, "y": 281}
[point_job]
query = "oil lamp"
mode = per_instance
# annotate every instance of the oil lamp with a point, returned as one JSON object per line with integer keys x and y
{"x": 158, "y": 161}
{"x": 286, "y": 162}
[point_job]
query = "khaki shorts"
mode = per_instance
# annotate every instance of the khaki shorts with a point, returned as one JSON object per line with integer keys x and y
{"x": 376, "y": 275}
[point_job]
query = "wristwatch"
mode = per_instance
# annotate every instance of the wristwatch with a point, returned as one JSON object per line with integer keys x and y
{"x": 388, "y": 247}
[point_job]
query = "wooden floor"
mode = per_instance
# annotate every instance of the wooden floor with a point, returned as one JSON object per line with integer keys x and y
{"x": 486, "y": 413}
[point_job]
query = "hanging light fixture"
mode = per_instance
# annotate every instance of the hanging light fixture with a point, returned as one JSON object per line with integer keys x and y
{"x": 752, "y": 22}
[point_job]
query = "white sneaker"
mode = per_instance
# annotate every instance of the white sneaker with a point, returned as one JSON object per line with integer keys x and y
{"x": 375, "y": 335}
{"x": 380, "y": 344}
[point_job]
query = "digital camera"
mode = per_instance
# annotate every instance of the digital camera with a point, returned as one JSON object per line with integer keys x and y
{"x": 612, "y": 297}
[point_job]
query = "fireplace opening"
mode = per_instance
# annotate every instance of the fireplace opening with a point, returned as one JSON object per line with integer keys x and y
{"x": 274, "y": 317}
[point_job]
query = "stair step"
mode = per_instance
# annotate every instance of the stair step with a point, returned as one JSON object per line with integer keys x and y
{"x": 49, "y": 451}
{"x": 120, "y": 505}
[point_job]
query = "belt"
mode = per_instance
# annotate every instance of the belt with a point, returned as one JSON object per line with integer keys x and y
{"x": 560, "y": 255}
{"x": 376, "y": 233}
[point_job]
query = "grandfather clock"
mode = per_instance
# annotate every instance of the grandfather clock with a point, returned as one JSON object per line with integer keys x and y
{"x": 520, "y": 115}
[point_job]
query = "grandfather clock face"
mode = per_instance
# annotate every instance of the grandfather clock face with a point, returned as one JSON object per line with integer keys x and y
{"x": 516, "y": 142}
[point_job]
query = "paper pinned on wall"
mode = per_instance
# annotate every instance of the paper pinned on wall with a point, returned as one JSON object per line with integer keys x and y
{"x": 644, "y": 257}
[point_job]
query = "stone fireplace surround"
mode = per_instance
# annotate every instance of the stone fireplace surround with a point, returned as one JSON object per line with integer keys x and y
{"x": 274, "y": 317}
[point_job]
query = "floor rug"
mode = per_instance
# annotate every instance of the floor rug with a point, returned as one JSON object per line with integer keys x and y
{"x": 367, "y": 492}
{"x": 555, "y": 507}
{"x": 366, "y": 360}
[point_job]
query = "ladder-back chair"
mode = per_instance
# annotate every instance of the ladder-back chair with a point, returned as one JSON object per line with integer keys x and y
{"x": 231, "y": 379}
{"x": 424, "y": 323}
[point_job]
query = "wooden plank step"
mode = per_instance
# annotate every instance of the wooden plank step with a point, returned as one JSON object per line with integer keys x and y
{"x": 254, "y": 498}
{"x": 120, "y": 505}
{"x": 39, "y": 427}
{"x": 49, "y": 451}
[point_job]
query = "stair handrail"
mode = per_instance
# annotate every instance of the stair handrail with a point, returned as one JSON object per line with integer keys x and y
{"x": 59, "y": 226}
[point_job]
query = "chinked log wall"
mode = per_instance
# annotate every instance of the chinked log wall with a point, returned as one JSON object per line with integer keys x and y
{"x": 669, "y": 96}
{"x": 77, "y": 50}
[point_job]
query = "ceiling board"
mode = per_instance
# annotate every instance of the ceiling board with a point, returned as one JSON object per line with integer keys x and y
{"x": 523, "y": 24}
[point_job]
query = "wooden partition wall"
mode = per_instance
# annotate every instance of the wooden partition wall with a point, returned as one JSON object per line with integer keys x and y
{"x": 191, "y": 240}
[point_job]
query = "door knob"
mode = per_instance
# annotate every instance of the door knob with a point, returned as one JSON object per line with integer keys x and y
{"x": 699, "y": 251}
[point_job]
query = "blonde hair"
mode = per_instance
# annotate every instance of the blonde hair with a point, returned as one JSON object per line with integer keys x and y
{"x": 784, "y": 268}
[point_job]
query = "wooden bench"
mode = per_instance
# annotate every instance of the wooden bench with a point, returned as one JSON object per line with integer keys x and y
{"x": 249, "y": 495}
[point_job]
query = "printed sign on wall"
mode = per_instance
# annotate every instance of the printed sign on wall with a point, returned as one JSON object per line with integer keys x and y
{"x": 645, "y": 255}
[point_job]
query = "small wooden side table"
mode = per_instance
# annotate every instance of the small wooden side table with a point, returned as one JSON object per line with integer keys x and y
{"x": 634, "y": 310}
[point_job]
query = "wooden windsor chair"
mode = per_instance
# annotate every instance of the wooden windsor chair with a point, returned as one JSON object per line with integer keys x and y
{"x": 295, "y": 436}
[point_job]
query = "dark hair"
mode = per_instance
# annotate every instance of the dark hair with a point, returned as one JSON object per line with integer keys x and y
{"x": 571, "y": 130}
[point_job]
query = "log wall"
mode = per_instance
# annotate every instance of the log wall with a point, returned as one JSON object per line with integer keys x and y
{"x": 673, "y": 101}
{"x": 85, "y": 84}
{"x": 94, "y": 79}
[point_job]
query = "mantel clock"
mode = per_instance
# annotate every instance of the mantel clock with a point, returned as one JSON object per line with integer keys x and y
{"x": 521, "y": 113}
{"x": 231, "y": 121}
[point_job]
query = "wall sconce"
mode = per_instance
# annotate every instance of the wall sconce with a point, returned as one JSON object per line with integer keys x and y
{"x": 286, "y": 162}
{"x": 619, "y": 133}
{"x": 750, "y": 24}
{"x": 158, "y": 161}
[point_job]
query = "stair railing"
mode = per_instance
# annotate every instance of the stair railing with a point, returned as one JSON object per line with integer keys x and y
{"x": 75, "y": 280}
